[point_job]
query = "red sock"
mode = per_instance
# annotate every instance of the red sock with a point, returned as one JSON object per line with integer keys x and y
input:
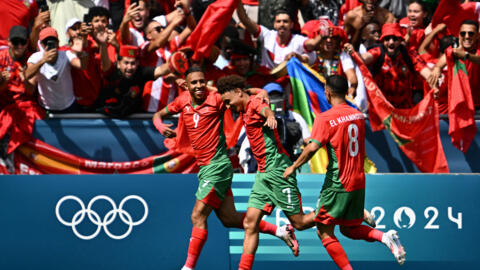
{"x": 197, "y": 240}
{"x": 336, "y": 252}
{"x": 246, "y": 262}
{"x": 264, "y": 227}
{"x": 364, "y": 232}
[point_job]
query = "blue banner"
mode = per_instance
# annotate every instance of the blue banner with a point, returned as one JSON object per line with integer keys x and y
{"x": 139, "y": 222}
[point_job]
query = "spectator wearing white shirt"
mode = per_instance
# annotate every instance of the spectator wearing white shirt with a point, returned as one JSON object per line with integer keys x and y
{"x": 50, "y": 70}
{"x": 279, "y": 44}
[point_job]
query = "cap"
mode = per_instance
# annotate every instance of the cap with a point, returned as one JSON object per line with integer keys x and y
{"x": 391, "y": 29}
{"x": 48, "y": 32}
{"x": 162, "y": 20}
{"x": 128, "y": 51}
{"x": 270, "y": 87}
{"x": 313, "y": 28}
{"x": 71, "y": 23}
{"x": 18, "y": 31}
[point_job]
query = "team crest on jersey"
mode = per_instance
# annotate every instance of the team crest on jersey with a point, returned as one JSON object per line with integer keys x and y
{"x": 187, "y": 108}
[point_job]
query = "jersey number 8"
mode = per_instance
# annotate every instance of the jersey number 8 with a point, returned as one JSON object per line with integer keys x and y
{"x": 353, "y": 140}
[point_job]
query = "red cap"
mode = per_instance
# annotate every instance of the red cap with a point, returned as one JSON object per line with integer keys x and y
{"x": 47, "y": 32}
{"x": 128, "y": 51}
{"x": 391, "y": 29}
{"x": 313, "y": 28}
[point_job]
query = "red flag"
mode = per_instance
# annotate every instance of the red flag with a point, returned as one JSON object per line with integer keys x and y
{"x": 453, "y": 13}
{"x": 18, "y": 119}
{"x": 211, "y": 25}
{"x": 461, "y": 111}
{"x": 415, "y": 130}
{"x": 231, "y": 128}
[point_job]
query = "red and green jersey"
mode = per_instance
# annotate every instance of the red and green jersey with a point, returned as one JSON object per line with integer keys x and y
{"x": 204, "y": 126}
{"x": 342, "y": 130}
{"x": 264, "y": 142}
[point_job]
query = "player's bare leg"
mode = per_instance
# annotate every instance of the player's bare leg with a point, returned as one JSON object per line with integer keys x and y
{"x": 250, "y": 242}
{"x": 302, "y": 221}
{"x": 333, "y": 247}
{"x": 200, "y": 213}
{"x": 230, "y": 218}
{"x": 369, "y": 218}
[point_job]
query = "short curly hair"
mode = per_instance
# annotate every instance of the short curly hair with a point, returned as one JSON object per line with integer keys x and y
{"x": 230, "y": 83}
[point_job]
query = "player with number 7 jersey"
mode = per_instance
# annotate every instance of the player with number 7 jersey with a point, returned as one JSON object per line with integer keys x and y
{"x": 342, "y": 130}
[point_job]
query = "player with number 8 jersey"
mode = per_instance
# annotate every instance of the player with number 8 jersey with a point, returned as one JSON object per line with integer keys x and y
{"x": 342, "y": 130}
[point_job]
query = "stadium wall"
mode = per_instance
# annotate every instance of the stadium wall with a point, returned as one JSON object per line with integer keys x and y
{"x": 43, "y": 225}
{"x": 134, "y": 139}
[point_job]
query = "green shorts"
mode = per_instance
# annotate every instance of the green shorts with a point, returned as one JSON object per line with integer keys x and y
{"x": 214, "y": 182}
{"x": 340, "y": 207}
{"x": 271, "y": 189}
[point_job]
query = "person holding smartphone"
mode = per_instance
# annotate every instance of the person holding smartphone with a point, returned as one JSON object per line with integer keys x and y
{"x": 50, "y": 70}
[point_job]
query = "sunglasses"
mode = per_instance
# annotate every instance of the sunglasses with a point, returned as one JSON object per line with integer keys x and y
{"x": 388, "y": 38}
{"x": 464, "y": 34}
{"x": 19, "y": 41}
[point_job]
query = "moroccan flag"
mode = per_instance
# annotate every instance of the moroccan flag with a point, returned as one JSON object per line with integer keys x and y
{"x": 462, "y": 127}
{"x": 231, "y": 128}
{"x": 37, "y": 157}
{"x": 211, "y": 25}
{"x": 309, "y": 100}
{"x": 415, "y": 130}
{"x": 453, "y": 13}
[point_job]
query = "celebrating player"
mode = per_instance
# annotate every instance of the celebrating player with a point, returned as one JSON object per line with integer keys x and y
{"x": 269, "y": 189}
{"x": 202, "y": 111}
{"x": 341, "y": 202}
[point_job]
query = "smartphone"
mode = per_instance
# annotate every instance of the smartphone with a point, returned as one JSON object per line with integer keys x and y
{"x": 42, "y": 5}
{"x": 86, "y": 19}
{"x": 133, "y": 1}
{"x": 51, "y": 44}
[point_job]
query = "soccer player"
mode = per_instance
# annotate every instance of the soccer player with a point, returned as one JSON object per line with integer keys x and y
{"x": 269, "y": 189}
{"x": 341, "y": 202}
{"x": 202, "y": 111}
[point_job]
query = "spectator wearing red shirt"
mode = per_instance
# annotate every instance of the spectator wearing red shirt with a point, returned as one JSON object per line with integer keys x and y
{"x": 13, "y": 60}
{"x": 394, "y": 68}
{"x": 97, "y": 20}
{"x": 468, "y": 53}
{"x": 413, "y": 26}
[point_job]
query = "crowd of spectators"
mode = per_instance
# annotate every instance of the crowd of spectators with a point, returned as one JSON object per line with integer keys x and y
{"x": 112, "y": 57}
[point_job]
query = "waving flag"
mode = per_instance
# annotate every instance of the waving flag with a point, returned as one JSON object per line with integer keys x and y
{"x": 453, "y": 13}
{"x": 309, "y": 100}
{"x": 415, "y": 130}
{"x": 211, "y": 25}
{"x": 37, "y": 157}
{"x": 461, "y": 121}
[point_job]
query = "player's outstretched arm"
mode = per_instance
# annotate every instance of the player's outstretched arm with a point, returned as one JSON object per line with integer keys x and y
{"x": 306, "y": 155}
{"x": 270, "y": 121}
{"x": 164, "y": 129}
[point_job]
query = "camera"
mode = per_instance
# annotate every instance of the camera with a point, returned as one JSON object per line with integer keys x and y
{"x": 42, "y": 5}
{"x": 133, "y": 1}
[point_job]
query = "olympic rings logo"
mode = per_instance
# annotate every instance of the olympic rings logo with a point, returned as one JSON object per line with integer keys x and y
{"x": 107, "y": 219}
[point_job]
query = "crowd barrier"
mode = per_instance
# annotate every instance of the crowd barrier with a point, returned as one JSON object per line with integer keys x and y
{"x": 134, "y": 139}
{"x": 143, "y": 222}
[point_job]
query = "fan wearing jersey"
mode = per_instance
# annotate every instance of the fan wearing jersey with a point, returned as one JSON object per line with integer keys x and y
{"x": 202, "y": 112}
{"x": 342, "y": 130}
{"x": 269, "y": 189}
